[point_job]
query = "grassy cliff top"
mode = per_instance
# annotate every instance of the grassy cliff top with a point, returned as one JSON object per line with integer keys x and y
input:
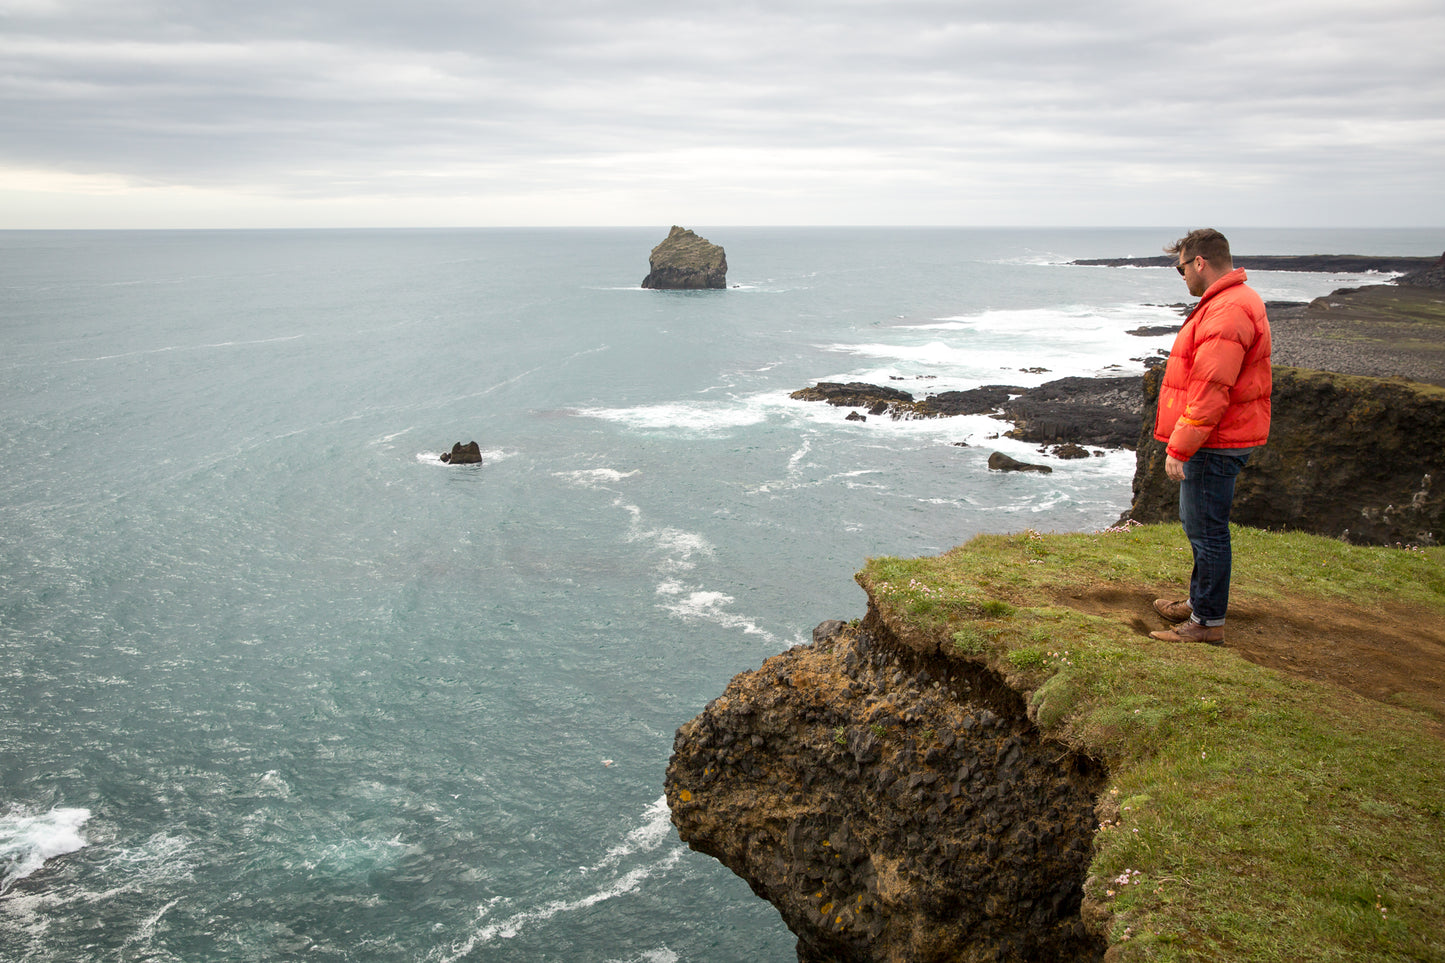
{"x": 1276, "y": 799}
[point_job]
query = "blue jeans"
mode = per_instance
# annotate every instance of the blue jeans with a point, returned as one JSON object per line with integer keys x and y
{"x": 1205, "y": 497}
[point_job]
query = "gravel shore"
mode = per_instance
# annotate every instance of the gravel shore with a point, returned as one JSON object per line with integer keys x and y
{"x": 1379, "y": 331}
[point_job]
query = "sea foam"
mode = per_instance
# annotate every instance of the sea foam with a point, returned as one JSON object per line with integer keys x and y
{"x": 681, "y": 417}
{"x": 496, "y": 921}
{"x": 27, "y": 842}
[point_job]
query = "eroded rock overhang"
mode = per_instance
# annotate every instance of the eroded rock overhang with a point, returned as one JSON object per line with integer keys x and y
{"x": 893, "y": 805}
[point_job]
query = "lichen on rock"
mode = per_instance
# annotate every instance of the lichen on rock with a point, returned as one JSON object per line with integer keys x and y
{"x": 686, "y": 261}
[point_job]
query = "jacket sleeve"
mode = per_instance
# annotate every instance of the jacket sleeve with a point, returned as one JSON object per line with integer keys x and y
{"x": 1218, "y": 357}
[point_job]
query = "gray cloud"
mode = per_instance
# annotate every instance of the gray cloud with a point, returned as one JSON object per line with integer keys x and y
{"x": 907, "y": 111}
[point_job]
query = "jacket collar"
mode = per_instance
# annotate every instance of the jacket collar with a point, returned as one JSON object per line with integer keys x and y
{"x": 1237, "y": 276}
{"x": 1227, "y": 281}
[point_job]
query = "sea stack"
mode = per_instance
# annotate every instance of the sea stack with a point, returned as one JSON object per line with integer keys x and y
{"x": 684, "y": 261}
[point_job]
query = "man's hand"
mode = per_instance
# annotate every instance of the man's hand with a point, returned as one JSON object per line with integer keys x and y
{"x": 1174, "y": 468}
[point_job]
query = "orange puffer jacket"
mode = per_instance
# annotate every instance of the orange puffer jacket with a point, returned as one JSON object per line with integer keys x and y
{"x": 1217, "y": 382}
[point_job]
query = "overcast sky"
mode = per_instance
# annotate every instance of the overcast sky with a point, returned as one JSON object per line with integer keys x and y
{"x": 252, "y": 113}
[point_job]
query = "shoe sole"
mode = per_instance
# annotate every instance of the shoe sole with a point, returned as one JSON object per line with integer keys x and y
{"x": 1172, "y": 636}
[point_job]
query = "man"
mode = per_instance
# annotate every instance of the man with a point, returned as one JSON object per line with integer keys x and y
{"x": 1213, "y": 411}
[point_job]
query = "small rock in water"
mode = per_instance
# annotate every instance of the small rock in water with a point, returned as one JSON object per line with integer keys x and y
{"x": 468, "y": 454}
{"x": 998, "y": 461}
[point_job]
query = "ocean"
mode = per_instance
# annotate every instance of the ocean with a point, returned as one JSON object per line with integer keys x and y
{"x": 278, "y": 684}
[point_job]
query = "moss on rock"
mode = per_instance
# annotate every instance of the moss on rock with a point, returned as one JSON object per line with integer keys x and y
{"x": 685, "y": 261}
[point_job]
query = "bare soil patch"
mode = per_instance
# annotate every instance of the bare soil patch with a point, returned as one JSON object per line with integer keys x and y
{"x": 1386, "y": 652}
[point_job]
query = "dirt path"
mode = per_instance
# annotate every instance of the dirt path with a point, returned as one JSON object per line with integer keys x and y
{"x": 1388, "y": 653}
{"x": 1383, "y": 651}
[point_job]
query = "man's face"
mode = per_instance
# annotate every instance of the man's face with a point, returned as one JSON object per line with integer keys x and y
{"x": 1189, "y": 267}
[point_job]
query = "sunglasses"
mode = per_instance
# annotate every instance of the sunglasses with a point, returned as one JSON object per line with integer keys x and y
{"x": 1180, "y": 267}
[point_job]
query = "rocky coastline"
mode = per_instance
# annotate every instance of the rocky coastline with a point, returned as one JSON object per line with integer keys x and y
{"x": 1315, "y": 263}
{"x": 1359, "y": 414}
{"x": 1077, "y": 411}
{"x": 896, "y": 804}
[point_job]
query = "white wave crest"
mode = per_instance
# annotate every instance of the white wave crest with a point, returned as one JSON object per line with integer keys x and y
{"x": 27, "y": 842}
{"x": 654, "y": 830}
{"x": 271, "y": 783}
{"x": 595, "y": 477}
{"x": 961, "y": 352}
{"x": 161, "y": 858}
{"x": 695, "y": 418}
{"x": 627, "y": 883}
{"x": 1053, "y": 322}
{"x": 932, "y": 353}
{"x": 700, "y": 605}
{"x": 660, "y": 955}
{"x": 677, "y": 545}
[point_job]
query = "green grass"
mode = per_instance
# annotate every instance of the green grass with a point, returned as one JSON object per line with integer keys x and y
{"x": 1249, "y": 815}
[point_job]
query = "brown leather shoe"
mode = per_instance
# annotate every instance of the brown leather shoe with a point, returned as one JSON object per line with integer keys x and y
{"x": 1191, "y": 631}
{"x": 1174, "y": 611}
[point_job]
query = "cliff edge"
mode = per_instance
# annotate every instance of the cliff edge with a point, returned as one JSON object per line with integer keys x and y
{"x": 892, "y": 806}
{"x": 997, "y": 763}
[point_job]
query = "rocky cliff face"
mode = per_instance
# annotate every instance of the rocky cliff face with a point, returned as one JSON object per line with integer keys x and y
{"x": 1348, "y": 457}
{"x": 894, "y": 806}
{"x": 1432, "y": 277}
{"x": 685, "y": 261}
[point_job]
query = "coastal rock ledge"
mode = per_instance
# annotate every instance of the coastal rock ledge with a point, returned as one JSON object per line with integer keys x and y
{"x": 892, "y": 806}
{"x": 684, "y": 261}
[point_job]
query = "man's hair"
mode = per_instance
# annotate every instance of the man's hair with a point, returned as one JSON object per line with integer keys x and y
{"x": 1206, "y": 243}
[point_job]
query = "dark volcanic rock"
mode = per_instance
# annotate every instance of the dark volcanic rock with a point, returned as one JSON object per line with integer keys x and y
{"x": 468, "y": 454}
{"x": 684, "y": 261}
{"x": 892, "y": 807}
{"x": 901, "y": 404}
{"x": 854, "y": 394}
{"x": 1084, "y": 411}
{"x": 1156, "y": 330}
{"x": 1271, "y": 308}
{"x": 1430, "y": 277}
{"x": 1348, "y": 457}
{"x": 975, "y": 401}
{"x": 998, "y": 461}
{"x": 1330, "y": 263}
